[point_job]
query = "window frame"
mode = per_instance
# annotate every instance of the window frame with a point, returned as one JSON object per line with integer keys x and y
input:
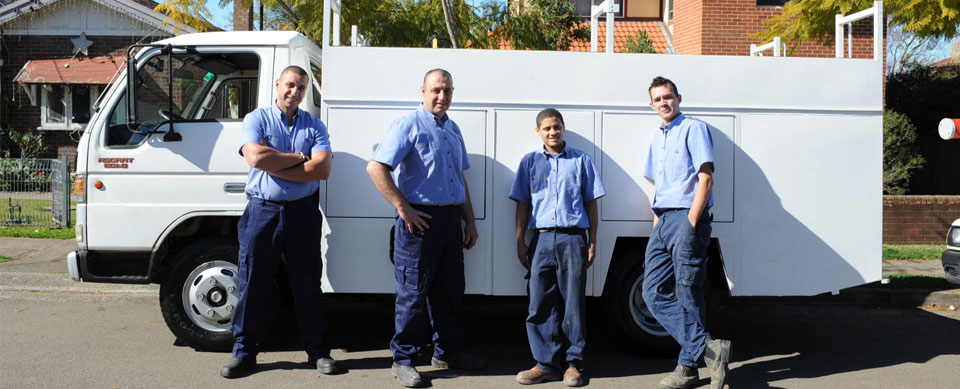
{"x": 67, "y": 124}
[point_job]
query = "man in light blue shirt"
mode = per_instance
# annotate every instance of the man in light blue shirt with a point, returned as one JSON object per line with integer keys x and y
{"x": 288, "y": 151}
{"x": 680, "y": 165}
{"x": 556, "y": 190}
{"x": 427, "y": 156}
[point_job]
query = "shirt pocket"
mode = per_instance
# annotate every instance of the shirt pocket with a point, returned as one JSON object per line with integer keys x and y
{"x": 425, "y": 145}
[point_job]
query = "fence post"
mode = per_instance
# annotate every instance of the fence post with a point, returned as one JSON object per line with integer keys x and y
{"x": 65, "y": 171}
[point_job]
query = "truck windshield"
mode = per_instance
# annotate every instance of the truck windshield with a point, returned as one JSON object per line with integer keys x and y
{"x": 205, "y": 86}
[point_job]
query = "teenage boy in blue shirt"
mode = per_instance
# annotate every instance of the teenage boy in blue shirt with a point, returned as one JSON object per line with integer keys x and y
{"x": 556, "y": 190}
{"x": 680, "y": 165}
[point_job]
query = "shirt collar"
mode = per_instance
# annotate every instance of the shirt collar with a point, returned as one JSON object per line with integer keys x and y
{"x": 673, "y": 123}
{"x": 563, "y": 151}
{"x": 426, "y": 115}
{"x": 282, "y": 115}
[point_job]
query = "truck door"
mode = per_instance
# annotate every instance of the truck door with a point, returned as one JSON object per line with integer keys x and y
{"x": 181, "y": 155}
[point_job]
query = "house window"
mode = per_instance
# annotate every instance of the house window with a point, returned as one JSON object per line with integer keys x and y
{"x": 65, "y": 107}
{"x": 583, "y": 7}
{"x": 771, "y": 3}
{"x": 669, "y": 10}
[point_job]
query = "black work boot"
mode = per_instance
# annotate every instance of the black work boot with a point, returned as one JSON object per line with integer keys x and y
{"x": 238, "y": 367}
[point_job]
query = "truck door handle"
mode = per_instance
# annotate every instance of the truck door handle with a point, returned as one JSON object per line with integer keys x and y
{"x": 234, "y": 187}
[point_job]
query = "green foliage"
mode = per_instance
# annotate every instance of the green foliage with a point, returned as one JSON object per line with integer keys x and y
{"x": 804, "y": 20}
{"x": 543, "y": 25}
{"x": 4, "y": 258}
{"x": 639, "y": 43}
{"x": 30, "y": 143}
{"x": 900, "y": 152}
{"x": 913, "y": 251}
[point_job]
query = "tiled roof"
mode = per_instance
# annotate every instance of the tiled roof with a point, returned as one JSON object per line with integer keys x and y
{"x": 98, "y": 70}
{"x": 621, "y": 31}
{"x": 950, "y": 61}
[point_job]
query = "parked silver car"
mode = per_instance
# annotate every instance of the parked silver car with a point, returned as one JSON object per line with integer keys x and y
{"x": 951, "y": 256}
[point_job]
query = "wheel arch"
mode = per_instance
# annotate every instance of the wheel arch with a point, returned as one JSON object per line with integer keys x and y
{"x": 185, "y": 230}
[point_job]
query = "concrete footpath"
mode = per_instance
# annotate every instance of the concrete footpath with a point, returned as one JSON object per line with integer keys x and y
{"x": 40, "y": 265}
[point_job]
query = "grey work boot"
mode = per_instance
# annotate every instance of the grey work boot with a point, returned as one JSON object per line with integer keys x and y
{"x": 327, "y": 366}
{"x": 407, "y": 375}
{"x": 717, "y": 356}
{"x": 461, "y": 361}
{"x": 681, "y": 377}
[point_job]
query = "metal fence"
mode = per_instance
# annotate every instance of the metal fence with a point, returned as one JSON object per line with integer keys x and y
{"x": 34, "y": 192}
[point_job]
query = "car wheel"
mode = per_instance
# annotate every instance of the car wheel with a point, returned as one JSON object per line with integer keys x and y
{"x": 630, "y": 313}
{"x": 200, "y": 293}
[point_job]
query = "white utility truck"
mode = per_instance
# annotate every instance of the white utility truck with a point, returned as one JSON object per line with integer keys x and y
{"x": 797, "y": 144}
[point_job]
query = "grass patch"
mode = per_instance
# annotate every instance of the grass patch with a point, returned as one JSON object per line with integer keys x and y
{"x": 913, "y": 251}
{"x": 913, "y": 281}
{"x": 37, "y": 232}
{"x": 5, "y": 259}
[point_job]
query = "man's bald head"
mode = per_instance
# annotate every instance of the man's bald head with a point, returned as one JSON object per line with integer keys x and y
{"x": 443, "y": 73}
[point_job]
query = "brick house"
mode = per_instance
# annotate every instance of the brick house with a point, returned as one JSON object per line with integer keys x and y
{"x": 707, "y": 27}
{"x": 57, "y": 56}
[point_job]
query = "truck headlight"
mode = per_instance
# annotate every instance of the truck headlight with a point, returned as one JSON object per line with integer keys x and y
{"x": 953, "y": 237}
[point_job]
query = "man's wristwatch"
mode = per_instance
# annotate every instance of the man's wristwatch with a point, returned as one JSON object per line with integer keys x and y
{"x": 303, "y": 157}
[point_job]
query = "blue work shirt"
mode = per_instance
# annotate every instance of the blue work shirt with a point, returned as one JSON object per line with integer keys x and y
{"x": 556, "y": 187}
{"x": 427, "y": 157}
{"x": 675, "y": 156}
{"x": 268, "y": 126}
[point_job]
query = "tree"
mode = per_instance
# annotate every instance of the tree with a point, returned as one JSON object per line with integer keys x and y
{"x": 803, "y": 20}
{"x": 187, "y": 13}
{"x": 639, "y": 43}
{"x": 900, "y": 152}
{"x": 906, "y": 50}
{"x": 542, "y": 25}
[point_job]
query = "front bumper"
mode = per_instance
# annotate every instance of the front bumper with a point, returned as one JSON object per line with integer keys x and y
{"x": 73, "y": 263}
{"x": 951, "y": 265}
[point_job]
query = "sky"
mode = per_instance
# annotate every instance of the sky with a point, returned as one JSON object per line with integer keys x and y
{"x": 222, "y": 19}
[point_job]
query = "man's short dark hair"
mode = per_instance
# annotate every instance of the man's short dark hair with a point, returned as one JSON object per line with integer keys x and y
{"x": 437, "y": 70}
{"x": 550, "y": 113}
{"x": 660, "y": 81}
{"x": 294, "y": 68}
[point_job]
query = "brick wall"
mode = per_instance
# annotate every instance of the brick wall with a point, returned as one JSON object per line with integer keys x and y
{"x": 16, "y": 113}
{"x": 688, "y": 26}
{"x": 726, "y": 27}
{"x": 918, "y": 219}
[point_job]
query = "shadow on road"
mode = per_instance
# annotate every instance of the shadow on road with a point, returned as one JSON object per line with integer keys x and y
{"x": 773, "y": 341}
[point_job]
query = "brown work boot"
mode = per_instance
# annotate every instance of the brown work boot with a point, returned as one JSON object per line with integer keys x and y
{"x": 534, "y": 376}
{"x": 572, "y": 377}
{"x": 681, "y": 377}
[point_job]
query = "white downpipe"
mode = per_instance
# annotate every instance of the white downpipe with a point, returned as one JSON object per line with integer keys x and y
{"x": 325, "y": 34}
{"x": 840, "y": 21}
{"x": 779, "y": 49}
{"x": 353, "y": 36}
{"x": 335, "y": 7}
{"x": 608, "y": 7}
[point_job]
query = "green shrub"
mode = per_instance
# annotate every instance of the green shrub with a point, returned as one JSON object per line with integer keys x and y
{"x": 639, "y": 43}
{"x": 900, "y": 152}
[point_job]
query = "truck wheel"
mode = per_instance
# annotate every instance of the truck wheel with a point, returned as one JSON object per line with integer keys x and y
{"x": 199, "y": 294}
{"x": 626, "y": 306}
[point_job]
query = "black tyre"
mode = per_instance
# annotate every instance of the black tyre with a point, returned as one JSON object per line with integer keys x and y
{"x": 624, "y": 303}
{"x": 199, "y": 293}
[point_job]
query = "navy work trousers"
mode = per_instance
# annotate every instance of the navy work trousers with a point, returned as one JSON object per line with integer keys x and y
{"x": 271, "y": 232}
{"x": 674, "y": 270}
{"x": 556, "y": 315}
{"x": 428, "y": 270}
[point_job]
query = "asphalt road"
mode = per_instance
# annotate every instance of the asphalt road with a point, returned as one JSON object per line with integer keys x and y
{"x": 116, "y": 337}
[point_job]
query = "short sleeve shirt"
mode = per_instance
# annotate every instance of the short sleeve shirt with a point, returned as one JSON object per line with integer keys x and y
{"x": 268, "y": 126}
{"x": 427, "y": 158}
{"x": 675, "y": 156}
{"x": 556, "y": 187}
